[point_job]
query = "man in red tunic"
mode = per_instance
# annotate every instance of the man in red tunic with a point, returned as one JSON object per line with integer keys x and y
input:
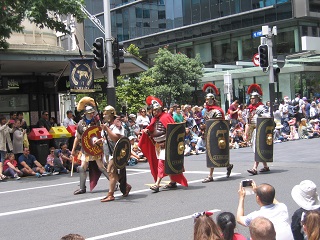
{"x": 152, "y": 145}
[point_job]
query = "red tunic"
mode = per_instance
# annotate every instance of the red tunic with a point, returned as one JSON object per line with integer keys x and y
{"x": 148, "y": 149}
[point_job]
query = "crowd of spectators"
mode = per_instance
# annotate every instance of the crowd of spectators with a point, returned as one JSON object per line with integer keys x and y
{"x": 271, "y": 221}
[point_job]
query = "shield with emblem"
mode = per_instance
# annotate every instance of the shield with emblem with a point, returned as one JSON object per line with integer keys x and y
{"x": 175, "y": 148}
{"x": 121, "y": 152}
{"x": 264, "y": 140}
{"x": 217, "y": 143}
{"x": 88, "y": 138}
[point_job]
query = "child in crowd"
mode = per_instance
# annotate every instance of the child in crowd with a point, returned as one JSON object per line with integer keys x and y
{"x": 136, "y": 150}
{"x": 10, "y": 167}
{"x": 58, "y": 163}
{"x": 49, "y": 166}
{"x": 227, "y": 223}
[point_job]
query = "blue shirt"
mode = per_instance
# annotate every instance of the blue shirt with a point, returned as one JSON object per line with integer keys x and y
{"x": 29, "y": 161}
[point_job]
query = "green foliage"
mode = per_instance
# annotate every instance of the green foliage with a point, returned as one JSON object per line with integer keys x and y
{"x": 44, "y": 13}
{"x": 132, "y": 92}
{"x": 132, "y": 49}
{"x": 175, "y": 76}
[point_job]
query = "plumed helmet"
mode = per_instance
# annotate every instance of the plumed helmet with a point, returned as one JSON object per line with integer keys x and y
{"x": 86, "y": 105}
{"x": 156, "y": 103}
{"x": 254, "y": 90}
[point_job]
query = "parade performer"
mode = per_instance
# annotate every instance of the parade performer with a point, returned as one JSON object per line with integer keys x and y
{"x": 213, "y": 111}
{"x": 254, "y": 110}
{"x": 152, "y": 145}
{"x": 86, "y": 106}
{"x": 112, "y": 132}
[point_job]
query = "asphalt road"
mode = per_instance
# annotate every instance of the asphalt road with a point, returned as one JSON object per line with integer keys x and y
{"x": 46, "y": 208}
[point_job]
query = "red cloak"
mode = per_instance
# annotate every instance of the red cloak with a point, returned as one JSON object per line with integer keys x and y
{"x": 147, "y": 147}
{"x": 211, "y": 107}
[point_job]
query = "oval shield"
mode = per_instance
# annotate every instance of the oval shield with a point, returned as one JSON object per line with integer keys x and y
{"x": 175, "y": 148}
{"x": 264, "y": 140}
{"x": 121, "y": 152}
{"x": 88, "y": 137}
{"x": 217, "y": 141}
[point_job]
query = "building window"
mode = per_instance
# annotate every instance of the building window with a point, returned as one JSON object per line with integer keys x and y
{"x": 138, "y": 13}
{"x": 161, "y": 14}
{"x": 146, "y": 13}
{"x": 162, "y": 25}
{"x": 146, "y": 24}
{"x": 161, "y": 2}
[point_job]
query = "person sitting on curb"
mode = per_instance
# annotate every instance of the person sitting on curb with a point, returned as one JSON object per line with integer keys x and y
{"x": 29, "y": 165}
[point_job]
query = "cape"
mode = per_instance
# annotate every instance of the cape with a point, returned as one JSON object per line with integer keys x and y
{"x": 212, "y": 107}
{"x": 253, "y": 107}
{"x": 94, "y": 174}
{"x": 147, "y": 147}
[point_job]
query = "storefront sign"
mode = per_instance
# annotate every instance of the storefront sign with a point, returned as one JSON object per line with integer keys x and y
{"x": 11, "y": 103}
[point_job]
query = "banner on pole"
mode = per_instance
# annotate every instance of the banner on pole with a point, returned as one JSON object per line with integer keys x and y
{"x": 81, "y": 75}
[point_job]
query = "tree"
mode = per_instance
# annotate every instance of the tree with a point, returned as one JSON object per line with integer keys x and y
{"x": 132, "y": 92}
{"x": 175, "y": 76}
{"x": 44, "y": 13}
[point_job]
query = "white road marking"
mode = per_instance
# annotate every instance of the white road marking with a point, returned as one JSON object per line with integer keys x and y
{"x": 56, "y": 185}
{"x": 145, "y": 226}
{"x": 82, "y": 201}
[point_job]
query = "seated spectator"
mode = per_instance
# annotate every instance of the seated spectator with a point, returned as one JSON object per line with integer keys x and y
{"x": 205, "y": 227}
{"x": 188, "y": 137}
{"x": 262, "y": 228}
{"x": 49, "y": 166}
{"x": 293, "y": 131}
{"x": 29, "y": 165}
{"x": 201, "y": 143}
{"x": 227, "y": 223}
{"x": 10, "y": 168}
{"x": 277, "y": 134}
{"x": 238, "y": 139}
{"x": 303, "y": 130}
{"x": 314, "y": 127}
{"x": 193, "y": 147}
{"x": 65, "y": 155}
{"x": 306, "y": 196}
{"x": 58, "y": 163}
{"x": 137, "y": 151}
{"x": 311, "y": 223}
{"x": 270, "y": 208}
{"x": 2, "y": 177}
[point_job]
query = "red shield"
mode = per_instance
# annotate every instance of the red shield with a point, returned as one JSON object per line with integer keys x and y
{"x": 88, "y": 137}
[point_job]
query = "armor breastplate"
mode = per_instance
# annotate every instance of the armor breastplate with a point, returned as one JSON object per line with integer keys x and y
{"x": 82, "y": 126}
{"x": 159, "y": 133}
{"x": 213, "y": 114}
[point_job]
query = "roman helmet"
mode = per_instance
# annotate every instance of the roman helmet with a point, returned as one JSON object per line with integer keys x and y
{"x": 108, "y": 113}
{"x": 212, "y": 91}
{"x": 156, "y": 105}
{"x": 255, "y": 91}
{"x": 86, "y": 106}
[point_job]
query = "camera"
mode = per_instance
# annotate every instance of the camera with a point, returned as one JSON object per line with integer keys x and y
{"x": 247, "y": 183}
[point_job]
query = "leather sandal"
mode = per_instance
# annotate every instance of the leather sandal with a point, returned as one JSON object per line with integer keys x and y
{"x": 155, "y": 188}
{"x": 252, "y": 171}
{"x": 229, "y": 169}
{"x": 265, "y": 169}
{"x": 108, "y": 198}
{"x": 128, "y": 188}
{"x": 171, "y": 185}
{"x": 79, "y": 191}
{"x": 207, "y": 179}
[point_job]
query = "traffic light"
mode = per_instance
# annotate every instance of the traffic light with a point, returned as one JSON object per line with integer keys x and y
{"x": 276, "y": 72}
{"x": 99, "y": 52}
{"x": 263, "y": 56}
{"x": 118, "y": 53}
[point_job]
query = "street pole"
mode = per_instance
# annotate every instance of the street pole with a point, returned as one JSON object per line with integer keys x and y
{"x": 111, "y": 91}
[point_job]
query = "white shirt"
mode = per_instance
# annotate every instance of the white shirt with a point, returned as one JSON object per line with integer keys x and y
{"x": 68, "y": 122}
{"x": 278, "y": 215}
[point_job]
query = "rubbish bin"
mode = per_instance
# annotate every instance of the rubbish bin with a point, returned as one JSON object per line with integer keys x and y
{"x": 72, "y": 130}
{"x": 59, "y": 135}
{"x": 39, "y": 139}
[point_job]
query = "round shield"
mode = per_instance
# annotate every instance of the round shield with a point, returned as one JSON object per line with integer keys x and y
{"x": 121, "y": 152}
{"x": 88, "y": 137}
